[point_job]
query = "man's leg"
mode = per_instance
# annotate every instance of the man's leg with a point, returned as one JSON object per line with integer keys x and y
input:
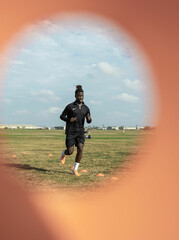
{"x": 70, "y": 141}
{"x": 79, "y": 152}
{"x": 78, "y": 158}
{"x": 68, "y": 151}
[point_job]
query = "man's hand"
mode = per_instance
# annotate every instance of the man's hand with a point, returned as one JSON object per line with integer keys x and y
{"x": 88, "y": 117}
{"x": 73, "y": 119}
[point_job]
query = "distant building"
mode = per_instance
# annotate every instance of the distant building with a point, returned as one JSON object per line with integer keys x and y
{"x": 112, "y": 128}
{"x": 17, "y": 126}
{"x": 132, "y": 128}
{"x": 124, "y": 128}
{"x": 59, "y": 128}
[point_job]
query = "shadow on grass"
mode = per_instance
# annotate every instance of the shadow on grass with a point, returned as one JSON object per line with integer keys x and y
{"x": 28, "y": 167}
{"x": 24, "y": 166}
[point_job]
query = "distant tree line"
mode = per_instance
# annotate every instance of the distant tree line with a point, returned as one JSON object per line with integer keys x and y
{"x": 149, "y": 128}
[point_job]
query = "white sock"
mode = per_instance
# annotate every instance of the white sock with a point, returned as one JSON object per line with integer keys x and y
{"x": 76, "y": 166}
{"x": 63, "y": 152}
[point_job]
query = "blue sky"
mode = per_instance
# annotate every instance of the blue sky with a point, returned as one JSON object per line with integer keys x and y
{"x": 43, "y": 66}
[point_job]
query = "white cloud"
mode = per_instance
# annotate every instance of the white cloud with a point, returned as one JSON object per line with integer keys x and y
{"x": 6, "y": 100}
{"x": 117, "y": 114}
{"x": 19, "y": 112}
{"x": 136, "y": 111}
{"x": 48, "y": 41}
{"x": 17, "y": 62}
{"x": 45, "y": 95}
{"x": 107, "y": 68}
{"x": 95, "y": 102}
{"x": 52, "y": 110}
{"x": 13, "y": 71}
{"x": 135, "y": 85}
{"x": 26, "y": 51}
{"x": 126, "y": 98}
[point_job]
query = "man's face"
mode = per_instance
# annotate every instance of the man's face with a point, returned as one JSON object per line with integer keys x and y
{"x": 79, "y": 97}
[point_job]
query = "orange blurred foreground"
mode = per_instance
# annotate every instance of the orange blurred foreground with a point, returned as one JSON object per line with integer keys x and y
{"x": 113, "y": 178}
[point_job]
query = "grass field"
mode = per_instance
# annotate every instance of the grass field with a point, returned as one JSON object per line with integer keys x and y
{"x": 107, "y": 152}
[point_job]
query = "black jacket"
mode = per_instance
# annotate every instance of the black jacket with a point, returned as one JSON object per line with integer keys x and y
{"x": 74, "y": 110}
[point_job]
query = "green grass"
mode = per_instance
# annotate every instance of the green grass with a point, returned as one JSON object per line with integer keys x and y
{"x": 107, "y": 152}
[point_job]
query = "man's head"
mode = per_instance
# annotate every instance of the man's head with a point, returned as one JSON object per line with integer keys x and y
{"x": 79, "y": 94}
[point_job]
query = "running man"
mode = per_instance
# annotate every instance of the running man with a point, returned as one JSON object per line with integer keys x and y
{"x": 74, "y": 115}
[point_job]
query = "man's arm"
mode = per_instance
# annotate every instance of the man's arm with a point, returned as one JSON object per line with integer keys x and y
{"x": 88, "y": 117}
{"x": 64, "y": 115}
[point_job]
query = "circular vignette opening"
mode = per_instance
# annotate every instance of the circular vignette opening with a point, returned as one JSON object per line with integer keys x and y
{"x": 42, "y": 68}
